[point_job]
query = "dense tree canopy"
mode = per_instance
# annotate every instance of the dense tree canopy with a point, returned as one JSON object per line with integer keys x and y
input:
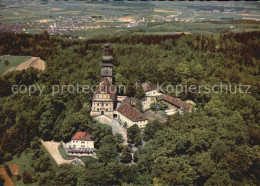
{"x": 218, "y": 144}
{"x": 134, "y": 135}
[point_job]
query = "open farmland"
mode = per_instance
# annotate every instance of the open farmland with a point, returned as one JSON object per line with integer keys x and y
{"x": 86, "y": 19}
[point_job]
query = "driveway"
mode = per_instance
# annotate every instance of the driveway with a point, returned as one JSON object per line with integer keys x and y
{"x": 116, "y": 128}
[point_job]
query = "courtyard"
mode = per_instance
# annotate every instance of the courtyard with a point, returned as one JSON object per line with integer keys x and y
{"x": 156, "y": 115}
{"x": 116, "y": 127}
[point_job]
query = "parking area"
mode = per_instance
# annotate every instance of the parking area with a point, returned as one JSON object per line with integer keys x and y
{"x": 53, "y": 148}
{"x": 116, "y": 127}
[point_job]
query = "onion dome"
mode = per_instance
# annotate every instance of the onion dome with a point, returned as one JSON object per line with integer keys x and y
{"x": 107, "y": 58}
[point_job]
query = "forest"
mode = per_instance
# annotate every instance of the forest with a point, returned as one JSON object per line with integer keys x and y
{"x": 218, "y": 144}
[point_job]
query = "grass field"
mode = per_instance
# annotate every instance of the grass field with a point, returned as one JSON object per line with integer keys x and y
{"x": 169, "y": 28}
{"x": 24, "y": 161}
{"x": 13, "y": 61}
{"x": 63, "y": 152}
{"x": 94, "y": 33}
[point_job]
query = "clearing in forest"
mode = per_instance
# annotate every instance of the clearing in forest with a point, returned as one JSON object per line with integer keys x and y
{"x": 18, "y": 63}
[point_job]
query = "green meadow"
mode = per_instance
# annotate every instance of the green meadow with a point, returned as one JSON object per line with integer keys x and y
{"x": 8, "y": 61}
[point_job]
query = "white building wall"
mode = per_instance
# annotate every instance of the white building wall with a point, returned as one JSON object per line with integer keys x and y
{"x": 149, "y": 100}
{"x": 129, "y": 123}
{"x": 80, "y": 144}
{"x": 103, "y": 104}
{"x": 153, "y": 93}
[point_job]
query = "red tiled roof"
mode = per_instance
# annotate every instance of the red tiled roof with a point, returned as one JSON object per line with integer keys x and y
{"x": 105, "y": 86}
{"x": 131, "y": 112}
{"x": 175, "y": 101}
{"x": 81, "y": 136}
{"x": 148, "y": 86}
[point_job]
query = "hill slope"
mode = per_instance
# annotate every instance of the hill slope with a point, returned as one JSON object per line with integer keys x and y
{"x": 34, "y": 62}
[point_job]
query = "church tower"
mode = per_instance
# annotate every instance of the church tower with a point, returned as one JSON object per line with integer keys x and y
{"x": 104, "y": 97}
{"x": 107, "y": 66}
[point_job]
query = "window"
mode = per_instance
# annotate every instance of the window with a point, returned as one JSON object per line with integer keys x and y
{"x": 82, "y": 145}
{"x": 106, "y": 110}
{"x": 76, "y": 141}
{"x": 83, "y": 142}
{"x": 106, "y": 71}
{"x": 97, "y": 104}
{"x": 106, "y": 104}
{"x": 98, "y": 109}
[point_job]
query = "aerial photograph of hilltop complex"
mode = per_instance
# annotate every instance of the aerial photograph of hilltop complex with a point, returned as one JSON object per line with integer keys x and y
{"x": 129, "y": 92}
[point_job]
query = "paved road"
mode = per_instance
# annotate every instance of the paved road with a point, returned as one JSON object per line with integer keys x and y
{"x": 53, "y": 149}
{"x": 116, "y": 128}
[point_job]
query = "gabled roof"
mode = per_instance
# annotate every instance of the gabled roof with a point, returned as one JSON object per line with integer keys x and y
{"x": 131, "y": 112}
{"x": 149, "y": 86}
{"x": 84, "y": 136}
{"x": 130, "y": 100}
{"x": 175, "y": 101}
{"x": 107, "y": 87}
